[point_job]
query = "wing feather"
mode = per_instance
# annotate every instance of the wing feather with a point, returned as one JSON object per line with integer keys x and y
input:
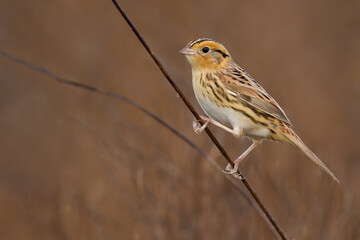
{"x": 241, "y": 85}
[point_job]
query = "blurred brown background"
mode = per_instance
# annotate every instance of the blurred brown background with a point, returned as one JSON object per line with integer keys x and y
{"x": 76, "y": 165}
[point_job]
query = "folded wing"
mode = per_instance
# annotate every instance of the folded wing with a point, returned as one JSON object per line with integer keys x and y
{"x": 241, "y": 85}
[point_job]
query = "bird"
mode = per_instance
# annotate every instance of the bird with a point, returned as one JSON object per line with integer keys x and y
{"x": 235, "y": 102}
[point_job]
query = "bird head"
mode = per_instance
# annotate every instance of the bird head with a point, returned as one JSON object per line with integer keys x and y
{"x": 206, "y": 53}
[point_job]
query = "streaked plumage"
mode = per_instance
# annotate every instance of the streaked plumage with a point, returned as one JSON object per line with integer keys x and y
{"x": 234, "y": 101}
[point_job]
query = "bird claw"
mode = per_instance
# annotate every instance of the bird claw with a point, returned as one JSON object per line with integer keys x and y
{"x": 197, "y": 126}
{"x": 230, "y": 170}
{"x": 238, "y": 176}
{"x": 233, "y": 171}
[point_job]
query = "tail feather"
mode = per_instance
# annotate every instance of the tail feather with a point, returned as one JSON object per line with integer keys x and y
{"x": 297, "y": 141}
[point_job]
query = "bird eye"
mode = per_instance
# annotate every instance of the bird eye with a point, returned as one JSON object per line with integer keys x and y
{"x": 205, "y": 49}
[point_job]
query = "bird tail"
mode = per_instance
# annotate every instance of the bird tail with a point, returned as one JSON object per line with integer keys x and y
{"x": 291, "y": 135}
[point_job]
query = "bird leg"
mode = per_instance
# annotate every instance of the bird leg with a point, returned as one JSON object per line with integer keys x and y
{"x": 229, "y": 169}
{"x": 237, "y": 132}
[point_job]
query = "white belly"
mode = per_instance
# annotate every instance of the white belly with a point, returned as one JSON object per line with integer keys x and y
{"x": 232, "y": 118}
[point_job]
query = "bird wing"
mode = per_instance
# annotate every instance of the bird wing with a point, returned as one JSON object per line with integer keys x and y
{"x": 241, "y": 85}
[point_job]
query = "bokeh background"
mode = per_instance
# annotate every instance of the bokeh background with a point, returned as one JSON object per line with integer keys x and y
{"x": 76, "y": 165}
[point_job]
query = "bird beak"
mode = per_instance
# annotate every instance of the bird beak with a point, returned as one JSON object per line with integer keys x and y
{"x": 187, "y": 51}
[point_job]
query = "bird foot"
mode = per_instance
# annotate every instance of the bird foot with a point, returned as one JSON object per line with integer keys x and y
{"x": 197, "y": 126}
{"x": 233, "y": 171}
